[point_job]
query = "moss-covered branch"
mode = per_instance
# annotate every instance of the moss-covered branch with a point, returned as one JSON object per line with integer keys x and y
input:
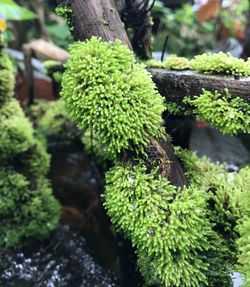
{"x": 175, "y": 85}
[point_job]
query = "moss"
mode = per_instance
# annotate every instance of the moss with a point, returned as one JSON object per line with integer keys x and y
{"x": 244, "y": 227}
{"x": 220, "y": 63}
{"x": 50, "y": 64}
{"x": 173, "y": 62}
{"x": 28, "y": 210}
{"x": 224, "y": 191}
{"x": 65, "y": 12}
{"x": 16, "y": 131}
{"x": 115, "y": 99}
{"x": 154, "y": 64}
{"x": 92, "y": 146}
{"x": 7, "y": 79}
{"x": 228, "y": 114}
{"x": 25, "y": 212}
{"x": 53, "y": 122}
{"x": 167, "y": 226}
{"x": 177, "y": 63}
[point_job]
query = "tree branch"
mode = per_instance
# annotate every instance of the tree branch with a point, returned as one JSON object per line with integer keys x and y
{"x": 175, "y": 85}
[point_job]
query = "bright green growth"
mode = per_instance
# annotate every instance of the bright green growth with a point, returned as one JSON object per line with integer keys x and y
{"x": 92, "y": 146}
{"x": 244, "y": 228}
{"x": 177, "y": 63}
{"x": 7, "y": 79}
{"x": 53, "y": 121}
{"x": 176, "y": 109}
{"x": 224, "y": 190}
{"x": 220, "y": 63}
{"x": 109, "y": 94}
{"x": 154, "y": 64}
{"x": 16, "y": 131}
{"x": 228, "y": 114}
{"x": 65, "y": 12}
{"x": 27, "y": 208}
{"x": 26, "y": 211}
{"x": 173, "y": 62}
{"x": 167, "y": 226}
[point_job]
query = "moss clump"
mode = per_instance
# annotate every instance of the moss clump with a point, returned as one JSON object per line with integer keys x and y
{"x": 27, "y": 208}
{"x": 228, "y": 114}
{"x": 224, "y": 191}
{"x": 177, "y": 63}
{"x": 7, "y": 79}
{"x": 109, "y": 94}
{"x": 220, "y": 63}
{"x": 16, "y": 131}
{"x": 154, "y": 64}
{"x": 173, "y": 62}
{"x": 167, "y": 226}
{"x": 53, "y": 121}
{"x": 26, "y": 212}
{"x": 244, "y": 227}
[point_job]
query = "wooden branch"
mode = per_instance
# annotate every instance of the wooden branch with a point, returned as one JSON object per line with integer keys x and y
{"x": 175, "y": 85}
{"x": 96, "y": 18}
{"x": 100, "y": 18}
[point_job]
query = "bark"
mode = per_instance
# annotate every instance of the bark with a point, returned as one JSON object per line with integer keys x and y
{"x": 175, "y": 85}
{"x": 96, "y": 18}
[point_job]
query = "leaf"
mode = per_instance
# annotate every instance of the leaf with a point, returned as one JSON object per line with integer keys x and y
{"x": 10, "y": 10}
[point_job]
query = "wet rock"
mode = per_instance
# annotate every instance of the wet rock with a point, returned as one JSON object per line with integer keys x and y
{"x": 218, "y": 147}
{"x": 61, "y": 262}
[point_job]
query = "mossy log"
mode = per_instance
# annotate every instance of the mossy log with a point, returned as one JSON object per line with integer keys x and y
{"x": 175, "y": 85}
{"x": 101, "y": 18}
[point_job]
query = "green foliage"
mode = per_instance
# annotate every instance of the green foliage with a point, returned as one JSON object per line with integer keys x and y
{"x": 65, "y": 12}
{"x": 187, "y": 37}
{"x": 109, "y": 94}
{"x": 12, "y": 11}
{"x": 173, "y": 62}
{"x": 220, "y": 63}
{"x": 154, "y": 64}
{"x": 228, "y": 114}
{"x": 27, "y": 208}
{"x": 167, "y": 226}
{"x": 177, "y": 63}
{"x": 53, "y": 122}
{"x": 7, "y": 79}
{"x": 16, "y": 131}
{"x": 224, "y": 190}
{"x": 244, "y": 227}
{"x": 26, "y": 212}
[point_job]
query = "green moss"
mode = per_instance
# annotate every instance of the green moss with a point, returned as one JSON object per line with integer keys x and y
{"x": 108, "y": 93}
{"x": 220, "y": 63}
{"x": 224, "y": 191}
{"x": 173, "y": 62}
{"x": 25, "y": 212}
{"x": 50, "y": 64}
{"x": 244, "y": 227}
{"x": 28, "y": 210}
{"x": 177, "y": 63}
{"x": 228, "y": 114}
{"x": 52, "y": 121}
{"x": 167, "y": 226}
{"x": 154, "y": 64}
{"x": 7, "y": 79}
{"x": 66, "y": 13}
{"x": 16, "y": 131}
